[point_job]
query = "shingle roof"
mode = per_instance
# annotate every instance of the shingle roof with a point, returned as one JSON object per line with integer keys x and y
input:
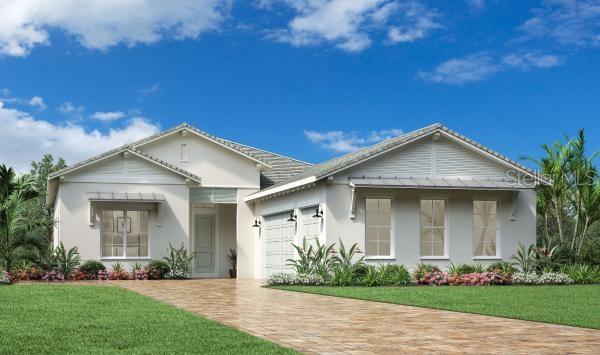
{"x": 325, "y": 169}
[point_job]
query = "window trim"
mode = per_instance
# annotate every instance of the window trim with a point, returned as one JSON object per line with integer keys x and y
{"x": 446, "y": 255}
{"x": 125, "y": 257}
{"x": 183, "y": 148}
{"x": 392, "y": 254}
{"x": 498, "y": 255}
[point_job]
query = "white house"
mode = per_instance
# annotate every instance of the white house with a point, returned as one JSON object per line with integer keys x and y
{"x": 430, "y": 195}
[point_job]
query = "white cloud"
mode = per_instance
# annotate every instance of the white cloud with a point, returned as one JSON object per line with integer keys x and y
{"x": 148, "y": 90}
{"x": 108, "y": 116}
{"x": 460, "y": 71}
{"x": 37, "y": 101}
{"x": 345, "y": 142}
{"x": 476, "y": 4}
{"x": 347, "y": 24}
{"x": 24, "y": 24}
{"x": 67, "y": 108}
{"x": 480, "y": 66}
{"x": 24, "y": 138}
{"x": 531, "y": 60}
{"x": 568, "y": 22}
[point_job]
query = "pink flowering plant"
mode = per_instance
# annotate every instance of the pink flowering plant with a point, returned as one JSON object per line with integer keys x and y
{"x": 440, "y": 278}
{"x": 53, "y": 276}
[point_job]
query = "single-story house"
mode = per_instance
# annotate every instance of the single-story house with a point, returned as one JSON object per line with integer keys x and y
{"x": 431, "y": 195}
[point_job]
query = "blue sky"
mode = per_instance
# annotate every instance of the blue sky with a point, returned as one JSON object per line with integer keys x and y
{"x": 308, "y": 78}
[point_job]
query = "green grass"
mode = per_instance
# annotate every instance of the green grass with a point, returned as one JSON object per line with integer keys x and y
{"x": 576, "y": 305}
{"x": 95, "y": 319}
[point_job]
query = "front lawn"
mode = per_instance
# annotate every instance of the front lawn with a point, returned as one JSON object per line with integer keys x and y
{"x": 577, "y": 305}
{"x": 57, "y": 319}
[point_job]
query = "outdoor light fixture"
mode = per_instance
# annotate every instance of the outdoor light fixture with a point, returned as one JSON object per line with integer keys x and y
{"x": 293, "y": 217}
{"x": 256, "y": 223}
{"x": 318, "y": 212}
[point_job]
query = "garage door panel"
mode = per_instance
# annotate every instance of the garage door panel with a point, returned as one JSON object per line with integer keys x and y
{"x": 279, "y": 237}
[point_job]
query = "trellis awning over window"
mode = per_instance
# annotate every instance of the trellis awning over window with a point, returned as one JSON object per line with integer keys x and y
{"x": 126, "y": 196}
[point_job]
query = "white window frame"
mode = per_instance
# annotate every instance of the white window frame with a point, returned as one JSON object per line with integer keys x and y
{"x": 183, "y": 152}
{"x": 446, "y": 227}
{"x": 392, "y": 229}
{"x": 498, "y": 234}
{"x": 124, "y": 256}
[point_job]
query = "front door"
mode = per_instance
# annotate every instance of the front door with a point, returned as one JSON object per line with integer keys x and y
{"x": 204, "y": 244}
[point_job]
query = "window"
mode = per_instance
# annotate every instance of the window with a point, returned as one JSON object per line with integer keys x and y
{"x": 124, "y": 234}
{"x": 183, "y": 153}
{"x": 378, "y": 226}
{"x": 433, "y": 228}
{"x": 485, "y": 228}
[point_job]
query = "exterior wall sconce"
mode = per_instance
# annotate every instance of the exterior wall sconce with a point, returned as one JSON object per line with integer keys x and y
{"x": 256, "y": 223}
{"x": 293, "y": 217}
{"x": 318, "y": 212}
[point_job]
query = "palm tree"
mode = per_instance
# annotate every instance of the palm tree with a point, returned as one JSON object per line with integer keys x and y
{"x": 14, "y": 193}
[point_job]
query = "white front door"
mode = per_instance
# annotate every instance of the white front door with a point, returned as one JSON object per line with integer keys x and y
{"x": 204, "y": 244}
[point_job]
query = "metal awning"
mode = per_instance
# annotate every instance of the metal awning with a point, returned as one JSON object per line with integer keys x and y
{"x": 126, "y": 196}
{"x": 441, "y": 183}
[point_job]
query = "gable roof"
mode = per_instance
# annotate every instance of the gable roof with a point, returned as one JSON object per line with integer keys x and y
{"x": 335, "y": 165}
{"x": 122, "y": 149}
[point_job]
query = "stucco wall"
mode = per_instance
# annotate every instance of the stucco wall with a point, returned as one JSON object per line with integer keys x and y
{"x": 216, "y": 165}
{"x": 247, "y": 238}
{"x": 74, "y": 218}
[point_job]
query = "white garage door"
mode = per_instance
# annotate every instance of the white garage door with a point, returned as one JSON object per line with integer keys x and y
{"x": 279, "y": 237}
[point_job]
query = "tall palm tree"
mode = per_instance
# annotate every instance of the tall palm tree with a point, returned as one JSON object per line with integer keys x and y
{"x": 14, "y": 192}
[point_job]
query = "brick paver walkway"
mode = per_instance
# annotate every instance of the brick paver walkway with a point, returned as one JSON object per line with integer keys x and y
{"x": 323, "y": 324}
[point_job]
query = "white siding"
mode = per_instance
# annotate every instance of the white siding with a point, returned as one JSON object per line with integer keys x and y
{"x": 132, "y": 169}
{"x": 426, "y": 157}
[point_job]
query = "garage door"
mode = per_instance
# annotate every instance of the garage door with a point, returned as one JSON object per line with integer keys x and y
{"x": 278, "y": 237}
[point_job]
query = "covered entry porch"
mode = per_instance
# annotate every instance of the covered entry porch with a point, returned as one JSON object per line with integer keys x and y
{"x": 213, "y": 222}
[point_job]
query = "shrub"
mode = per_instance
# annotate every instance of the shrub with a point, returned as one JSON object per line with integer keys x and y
{"x": 179, "y": 262}
{"x": 502, "y": 267}
{"x": 102, "y": 275}
{"x": 549, "y": 278}
{"x": 118, "y": 272}
{"x": 67, "y": 260}
{"x": 422, "y": 269}
{"x": 136, "y": 267}
{"x": 77, "y": 275}
{"x": 157, "y": 269}
{"x": 438, "y": 278}
{"x": 140, "y": 275}
{"x": 370, "y": 277}
{"x": 294, "y": 279}
{"x": 53, "y": 276}
{"x": 26, "y": 271}
{"x": 485, "y": 278}
{"x": 401, "y": 276}
{"x": 582, "y": 273}
{"x": 525, "y": 259}
{"x": 6, "y": 278}
{"x": 91, "y": 268}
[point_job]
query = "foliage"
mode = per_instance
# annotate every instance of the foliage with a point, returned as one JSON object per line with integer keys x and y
{"x": 26, "y": 271}
{"x": 6, "y": 278}
{"x": 157, "y": 269}
{"x": 140, "y": 274}
{"x": 91, "y": 267}
{"x": 53, "y": 276}
{"x": 502, "y": 267}
{"x": 318, "y": 259}
{"x": 294, "y": 279}
{"x": 439, "y": 278}
{"x": 582, "y": 273}
{"x": 117, "y": 272}
{"x": 77, "y": 275}
{"x": 525, "y": 259}
{"x": 67, "y": 260}
{"x": 232, "y": 258}
{"x": 549, "y": 278}
{"x": 345, "y": 266}
{"x": 478, "y": 267}
{"x": 179, "y": 262}
{"x": 570, "y": 206}
{"x": 421, "y": 269}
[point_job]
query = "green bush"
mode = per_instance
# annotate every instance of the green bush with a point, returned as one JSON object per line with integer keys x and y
{"x": 91, "y": 267}
{"x": 179, "y": 261}
{"x": 422, "y": 269}
{"x": 67, "y": 259}
{"x": 502, "y": 267}
{"x": 582, "y": 273}
{"x": 157, "y": 269}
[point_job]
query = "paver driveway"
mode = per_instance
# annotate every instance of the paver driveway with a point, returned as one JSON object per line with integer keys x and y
{"x": 324, "y": 324}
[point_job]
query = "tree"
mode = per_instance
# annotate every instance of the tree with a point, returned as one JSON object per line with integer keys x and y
{"x": 14, "y": 193}
{"x": 42, "y": 169}
{"x": 572, "y": 203}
